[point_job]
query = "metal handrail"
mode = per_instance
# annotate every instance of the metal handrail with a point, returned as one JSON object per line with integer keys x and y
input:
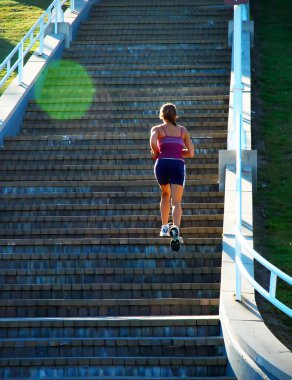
{"x": 54, "y": 14}
{"x": 240, "y": 241}
{"x": 275, "y": 273}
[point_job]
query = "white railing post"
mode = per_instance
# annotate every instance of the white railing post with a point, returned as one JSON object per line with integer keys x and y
{"x": 60, "y": 11}
{"x": 20, "y": 63}
{"x": 41, "y": 48}
{"x": 237, "y": 127}
{"x": 59, "y": 15}
{"x": 273, "y": 285}
{"x": 238, "y": 207}
{"x": 56, "y": 10}
{"x": 72, "y": 5}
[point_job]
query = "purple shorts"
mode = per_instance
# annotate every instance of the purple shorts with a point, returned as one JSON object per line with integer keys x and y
{"x": 170, "y": 171}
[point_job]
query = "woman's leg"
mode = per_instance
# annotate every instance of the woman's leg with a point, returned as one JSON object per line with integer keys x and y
{"x": 176, "y": 197}
{"x": 165, "y": 203}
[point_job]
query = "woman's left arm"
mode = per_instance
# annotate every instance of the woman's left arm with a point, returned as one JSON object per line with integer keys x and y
{"x": 153, "y": 143}
{"x": 189, "y": 151}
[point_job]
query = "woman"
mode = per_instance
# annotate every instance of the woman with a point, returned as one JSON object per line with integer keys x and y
{"x": 170, "y": 145}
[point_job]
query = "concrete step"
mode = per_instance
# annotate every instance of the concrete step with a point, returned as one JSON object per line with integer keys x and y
{"x": 126, "y": 109}
{"x": 116, "y": 278}
{"x": 90, "y": 159}
{"x": 108, "y": 260}
{"x": 88, "y": 126}
{"x": 107, "y": 150}
{"x": 114, "y": 138}
{"x": 146, "y": 99}
{"x": 109, "y": 28}
{"x": 119, "y": 327}
{"x": 123, "y": 33}
{"x": 153, "y": 14}
{"x": 131, "y": 120}
{"x": 107, "y": 245}
{"x": 109, "y": 232}
{"x": 114, "y": 203}
{"x": 210, "y": 42}
{"x": 116, "y": 93}
{"x": 126, "y": 220}
{"x": 37, "y": 170}
{"x": 143, "y": 81}
{"x": 208, "y": 51}
{"x": 109, "y": 347}
{"x": 17, "y": 209}
{"x": 106, "y": 140}
{"x": 198, "y": 3}
{"x": 101, "y": 168}
{"x": 109, "y": 368}
{"x": 93, "y": 176}
{"x": 165, "y": 71}
{"x": 136, "y": 58}
{"x": 175, "y": 7}
{"x": 111, "y": 291}
{"x": 40, "y": 308}
{"x": 134, "y": 137}
{"x": 134, "y": 378}
{"x": 89, "y": 187}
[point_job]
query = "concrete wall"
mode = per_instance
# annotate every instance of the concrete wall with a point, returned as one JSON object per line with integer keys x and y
{"x": 253, "y": 351}
{"x": 14, "y": 101}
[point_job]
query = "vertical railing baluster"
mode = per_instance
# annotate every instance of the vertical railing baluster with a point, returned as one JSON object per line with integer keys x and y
{"x": 41, "y": 48}
{"x": 20, "y": 63}
{"x": 273, "y": 285}
{"x": 56, "y": 16}
{"x": 72, "y": 5}
{"x": 237, "y": 126}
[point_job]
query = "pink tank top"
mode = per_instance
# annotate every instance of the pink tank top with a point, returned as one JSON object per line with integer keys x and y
{"x": 171, "y": 146}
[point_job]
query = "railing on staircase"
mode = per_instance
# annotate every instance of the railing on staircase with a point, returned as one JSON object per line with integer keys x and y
{"x": 15, "y": 60}
{"x": 241, "y": 242}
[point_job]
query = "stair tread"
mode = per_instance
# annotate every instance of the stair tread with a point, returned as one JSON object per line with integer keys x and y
{"x": 117, "y": 218}
{"x": 120, "y": 320}
{"x": 110, "y": 255}
{"x": 114, "y": 301}
{"x": 106, "y": 241}
{"x": 210, "y": 360}
{"x": 121, "y": 286}
{"x": 136, "y": 378}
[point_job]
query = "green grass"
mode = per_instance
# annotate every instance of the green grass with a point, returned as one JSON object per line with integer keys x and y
{"x": 274, "y": 30}
{"x": 16, "y": 18}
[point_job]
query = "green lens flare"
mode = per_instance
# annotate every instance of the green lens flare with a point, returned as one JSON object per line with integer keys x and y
{"x": 64, "y": 90}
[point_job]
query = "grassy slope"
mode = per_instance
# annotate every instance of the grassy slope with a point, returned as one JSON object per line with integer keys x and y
{"x": 275, "y": 177}
{"x": 273, "y": 232}
{"x": 16, "y": 18}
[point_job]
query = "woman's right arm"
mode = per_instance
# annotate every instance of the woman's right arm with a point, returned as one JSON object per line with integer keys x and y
{"x": 190, "y": 151}
{"x": 153, "y": 143}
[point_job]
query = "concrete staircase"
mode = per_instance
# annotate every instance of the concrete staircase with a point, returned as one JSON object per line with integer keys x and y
{"x": 87, "y": 288}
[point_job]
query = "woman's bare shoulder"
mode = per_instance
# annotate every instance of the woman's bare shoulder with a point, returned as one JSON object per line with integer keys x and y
{"x": 184, "y": 130}
{"x": 155, "y": 128}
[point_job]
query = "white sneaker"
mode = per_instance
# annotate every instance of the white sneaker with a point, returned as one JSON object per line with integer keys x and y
{"x": 176, "y": 240}
{"x": 164, "y": 230}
